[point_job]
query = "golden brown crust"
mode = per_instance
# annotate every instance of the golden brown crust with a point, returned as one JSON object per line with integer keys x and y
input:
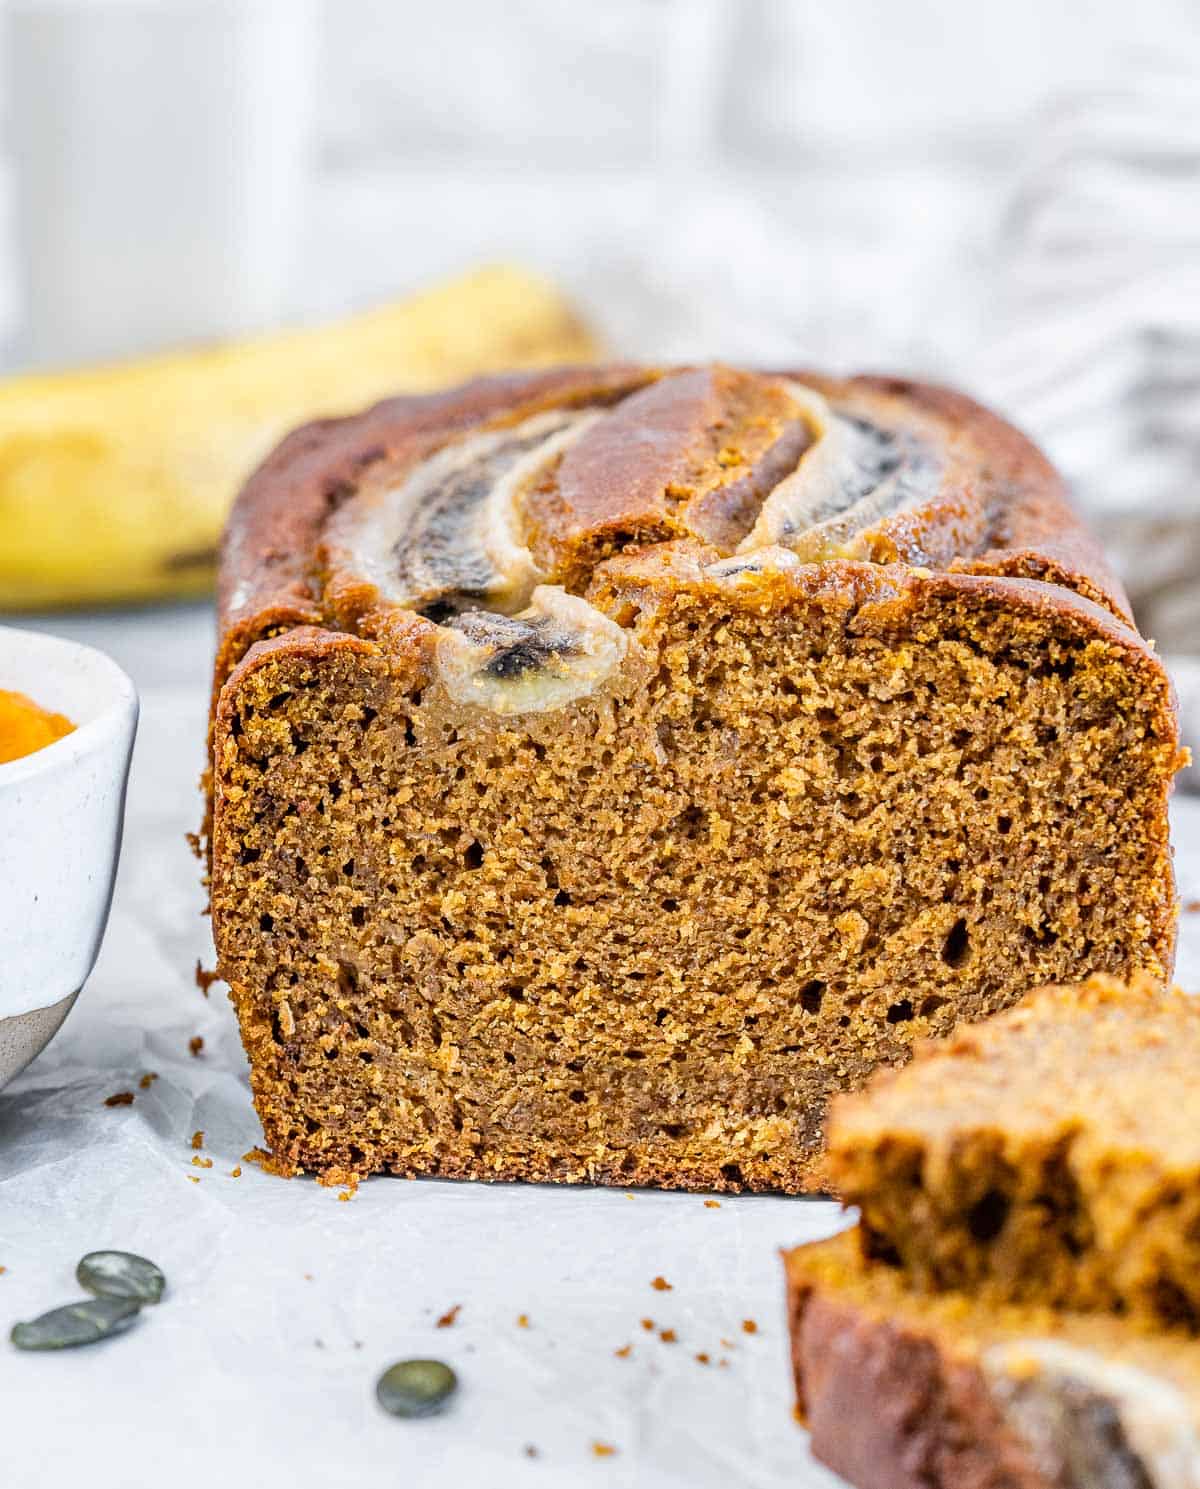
{"x": 999, "y": 507}
{"x": 692, "y": 454}
{"x": 888, "y": 1410}
{"x": 906, "y": 1390}
{"x": 269, "y": 553}
{"x": 1033, "y": 530}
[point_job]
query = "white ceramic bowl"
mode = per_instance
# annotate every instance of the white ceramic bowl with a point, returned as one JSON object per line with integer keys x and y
{"x": 61, "y": 811}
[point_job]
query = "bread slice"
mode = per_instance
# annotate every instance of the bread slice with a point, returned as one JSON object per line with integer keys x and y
{"x": 1050, "y": 1154}
{"x": 908, "y": 1391}
{"x": 611, "y": 764}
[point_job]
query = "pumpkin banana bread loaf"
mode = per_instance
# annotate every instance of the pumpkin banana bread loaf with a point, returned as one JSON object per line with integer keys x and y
{"x": 609, "y": 765}
{"x": 904, "y": 1390}
{"x": 1051, "y": 1154}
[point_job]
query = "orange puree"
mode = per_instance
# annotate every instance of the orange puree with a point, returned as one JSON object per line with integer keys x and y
{"x": 24, "y": 727}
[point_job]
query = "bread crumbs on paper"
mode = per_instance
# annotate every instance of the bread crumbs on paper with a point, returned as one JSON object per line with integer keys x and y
{"x": 195, "y": 1045}
{"x": 648, "y": 1324}
{"x": 703, "y": 1359}
{"x": 236, "y": 1173}
{"x": 450, "y": 1317}
{"x": 204, "y": 979}
{"x": 119, "y": 1098}
{"x": 522, "y": 1320}
{"x": 197, "y": 1139}
{"x": 624, "y": 1352}
{"x": 199, "y": 1162}
{"x": 348, "y": 1194}
{"x": 148, "y": 1079}
{"x": 603, "y": 1449}
{"x": 1192, "y": 907}
{"x": 668, "y": 1336}
{"x": 268, "y": 1163}
{"x": 712, "y": 1204}
{"x": 192, "y": 1178}
{"x": 531, "y": 1451}
{"x": 661, "y": 1285}
{"x": 749, "y": 1326}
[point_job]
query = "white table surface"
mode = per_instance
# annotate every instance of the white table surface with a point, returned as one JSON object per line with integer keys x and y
{"x": 284, "y": 1303}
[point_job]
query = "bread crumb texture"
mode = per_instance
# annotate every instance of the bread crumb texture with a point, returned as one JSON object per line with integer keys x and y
{"x": 1052, "y": 1154}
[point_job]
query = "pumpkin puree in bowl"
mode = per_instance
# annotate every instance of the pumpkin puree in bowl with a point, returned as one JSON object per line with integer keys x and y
{"x": 26, "y": 727}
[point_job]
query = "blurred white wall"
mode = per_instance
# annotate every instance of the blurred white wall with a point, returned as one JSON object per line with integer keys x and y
{"x": 839, "y": 169}
{"x": 1005, "y": 196}
{"x": 835, "y": 173}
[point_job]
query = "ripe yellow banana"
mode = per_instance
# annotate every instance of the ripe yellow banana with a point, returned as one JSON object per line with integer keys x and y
{"x": 115, "y": 481}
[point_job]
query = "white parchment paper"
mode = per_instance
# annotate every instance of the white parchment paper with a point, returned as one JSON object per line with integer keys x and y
{"x": 285, "y": 1303}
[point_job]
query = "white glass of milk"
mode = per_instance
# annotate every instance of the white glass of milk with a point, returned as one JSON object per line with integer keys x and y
{"x": 161, "y": 152}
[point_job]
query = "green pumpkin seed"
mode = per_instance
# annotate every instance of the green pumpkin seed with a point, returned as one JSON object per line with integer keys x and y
{"x": 78, "y": 1323}
{"x": 416, "y": 1388}
{"x": 120, "y": 1274}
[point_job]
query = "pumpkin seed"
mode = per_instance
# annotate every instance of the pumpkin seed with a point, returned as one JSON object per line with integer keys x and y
{"x": 416, "y": 1388}
{"x": 77, "y": 1323}
{"x": 120, "y": 1274}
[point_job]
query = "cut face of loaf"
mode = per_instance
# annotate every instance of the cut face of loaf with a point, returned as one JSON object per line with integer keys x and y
{"x": 903, "y": 1391}
{"x": 610, "y": 766}
{"x": 1053, "y": 1154}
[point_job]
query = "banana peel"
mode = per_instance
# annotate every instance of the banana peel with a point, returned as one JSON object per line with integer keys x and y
{"x": 115, "y": 481}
